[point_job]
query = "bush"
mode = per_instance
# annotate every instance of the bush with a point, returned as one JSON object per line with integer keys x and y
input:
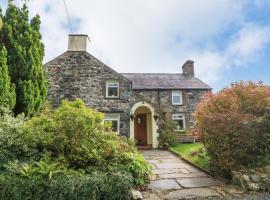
{"x": 77, "y": 136}
{"x": 67, "y": 153}
{"x": 14, "y": 143}
{"x": 70, "y": 185}
{"x": 234, "y": 126}
{"x": 167, "y": 134}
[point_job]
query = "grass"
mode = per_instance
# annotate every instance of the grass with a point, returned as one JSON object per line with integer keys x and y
{"x": 194, "y": 153}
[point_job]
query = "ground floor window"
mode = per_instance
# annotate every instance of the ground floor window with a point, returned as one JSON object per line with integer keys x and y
{"x": 179, "y": 118}
{"x": 114, "y": 119}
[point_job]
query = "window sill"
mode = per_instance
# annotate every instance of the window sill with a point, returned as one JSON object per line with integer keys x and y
{"x": 112, "y": 97}
{"x": 179, "y": 131}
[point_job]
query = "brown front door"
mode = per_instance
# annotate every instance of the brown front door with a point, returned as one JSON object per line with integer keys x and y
{"x": 141, "y": 129}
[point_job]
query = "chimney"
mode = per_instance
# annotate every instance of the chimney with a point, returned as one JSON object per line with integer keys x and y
{"x": 77, "y": 42}
{"x": 188, "y": 68}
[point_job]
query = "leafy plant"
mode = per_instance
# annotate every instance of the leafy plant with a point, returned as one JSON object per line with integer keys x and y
{"x": 234, "y": 126}
{"x": 15, "y": 144}
{"x": 71, "y": 185}
{"x": 77, "y": 134}
{"x": 67, "y": 153}
{"x": 167, "y": 134}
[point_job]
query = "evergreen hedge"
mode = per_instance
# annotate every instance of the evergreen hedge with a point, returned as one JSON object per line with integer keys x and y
{"x": 68, "y": 186}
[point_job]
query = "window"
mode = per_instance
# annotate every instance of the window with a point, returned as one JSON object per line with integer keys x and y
{"x": 179, "y": 118}
{"x": 114, "y": 119}
{"x": 112, "y": 89}
{"x": 177, "y": 98}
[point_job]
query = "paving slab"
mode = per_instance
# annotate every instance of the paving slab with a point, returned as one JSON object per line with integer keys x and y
{"x": 198, "y": 182}
{"x": 194, "y": 193}
{"x": 165, "y": 171}
{"x": 174, "y": 178}
{"x": 171, "y": 161}
{"x": 193, "y": 169}
{"x": 184, "y": 171}
{"x": 153, "y": 161}
{"x": 163, "y": 185}
{"x": 151, "y": 196}
{"x": 180, "y": 175}
{"x": 173, "y": 166}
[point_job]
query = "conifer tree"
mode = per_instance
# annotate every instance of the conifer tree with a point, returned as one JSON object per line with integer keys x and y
{"x": 25, "y": 53}
{"x": 7, "y": 89}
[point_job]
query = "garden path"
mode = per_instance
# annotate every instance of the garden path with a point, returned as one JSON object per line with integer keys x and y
{"x": 174, "y": 178}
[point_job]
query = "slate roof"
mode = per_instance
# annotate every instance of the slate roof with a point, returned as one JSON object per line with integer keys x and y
{"x": 148, "y": 81}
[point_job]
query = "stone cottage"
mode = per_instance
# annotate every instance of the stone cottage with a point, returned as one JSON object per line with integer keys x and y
{"x": 133, "y": 102}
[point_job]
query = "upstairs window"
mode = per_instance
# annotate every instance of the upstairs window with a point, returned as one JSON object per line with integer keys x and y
{"x": 112, "y": 89}
{"x": 179, "y": 118}
{"x": 177, "y": 98}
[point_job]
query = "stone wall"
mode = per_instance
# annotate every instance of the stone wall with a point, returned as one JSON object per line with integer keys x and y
{"x": 253, "y": 180}
{"x": 80, "y": 75}
{"x": 161, "y": 100}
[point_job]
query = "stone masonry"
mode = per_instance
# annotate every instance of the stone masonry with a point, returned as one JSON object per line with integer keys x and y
{"x": 161, "y": 99}
{"x": 77, "y": 74}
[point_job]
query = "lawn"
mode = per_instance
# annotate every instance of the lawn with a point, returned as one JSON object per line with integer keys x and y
{"x": 194, "y": 153}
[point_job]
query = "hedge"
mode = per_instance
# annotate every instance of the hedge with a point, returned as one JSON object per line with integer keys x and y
{"x": 70, "y": 186}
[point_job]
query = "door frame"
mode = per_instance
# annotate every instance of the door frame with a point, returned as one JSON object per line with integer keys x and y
{"x": 153, "y": 122}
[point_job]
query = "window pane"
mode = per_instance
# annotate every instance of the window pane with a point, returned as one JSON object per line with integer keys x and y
{"x": 114, "y": 126}
{"x": 112, "y": 91}
{"x": 179, "y": 124}
{"x": 176, "y": 99}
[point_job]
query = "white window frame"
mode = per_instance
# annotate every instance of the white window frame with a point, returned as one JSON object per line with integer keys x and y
{"x": 107, "y": 89}
{"x": 179, "y": 116}
{"x": 111, "y": 117}
{"x": 177, "y": 93}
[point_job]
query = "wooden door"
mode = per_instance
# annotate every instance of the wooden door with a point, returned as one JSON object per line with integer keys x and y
{"x": 141, "y": 129}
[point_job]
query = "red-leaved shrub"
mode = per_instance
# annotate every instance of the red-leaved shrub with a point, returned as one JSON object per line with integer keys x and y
{"x": 234, "y": 126}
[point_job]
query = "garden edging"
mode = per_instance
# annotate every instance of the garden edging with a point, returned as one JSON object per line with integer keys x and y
{"x": 198, "y": 167}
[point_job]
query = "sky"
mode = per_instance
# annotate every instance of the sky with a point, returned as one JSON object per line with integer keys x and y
{"x": 228, "y": 40}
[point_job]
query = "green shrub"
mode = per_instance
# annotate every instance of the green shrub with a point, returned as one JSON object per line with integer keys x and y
{"x": 70, "y": 185}
{"x": 14, "y": 143}
{"x": 167, "y": 134}
{"x": 67, "y": 153}
{"x": 76, "y": 135}
{"x": 234, "y": 126}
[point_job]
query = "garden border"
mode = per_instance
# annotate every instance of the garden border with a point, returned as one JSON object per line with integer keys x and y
{"x": 200, "y": 168}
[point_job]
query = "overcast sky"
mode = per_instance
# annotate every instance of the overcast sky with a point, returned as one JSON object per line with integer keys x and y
{"x": 229, "y": 40}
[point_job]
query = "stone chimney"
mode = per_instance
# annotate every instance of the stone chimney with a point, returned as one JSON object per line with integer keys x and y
{"x": 188, "y": 68}
{"x": 77, "y": 42}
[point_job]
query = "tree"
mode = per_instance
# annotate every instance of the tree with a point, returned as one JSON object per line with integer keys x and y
{"x": 25, "y": 53}
{"x": 7, "y": 89}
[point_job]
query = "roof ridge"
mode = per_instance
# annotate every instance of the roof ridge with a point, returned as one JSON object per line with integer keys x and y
{"x": 155, "y": 73}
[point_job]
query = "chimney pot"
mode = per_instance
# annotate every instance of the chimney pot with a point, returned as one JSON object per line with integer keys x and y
{"x": 77, "y": 42}
{"x": 188, "y": 68}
